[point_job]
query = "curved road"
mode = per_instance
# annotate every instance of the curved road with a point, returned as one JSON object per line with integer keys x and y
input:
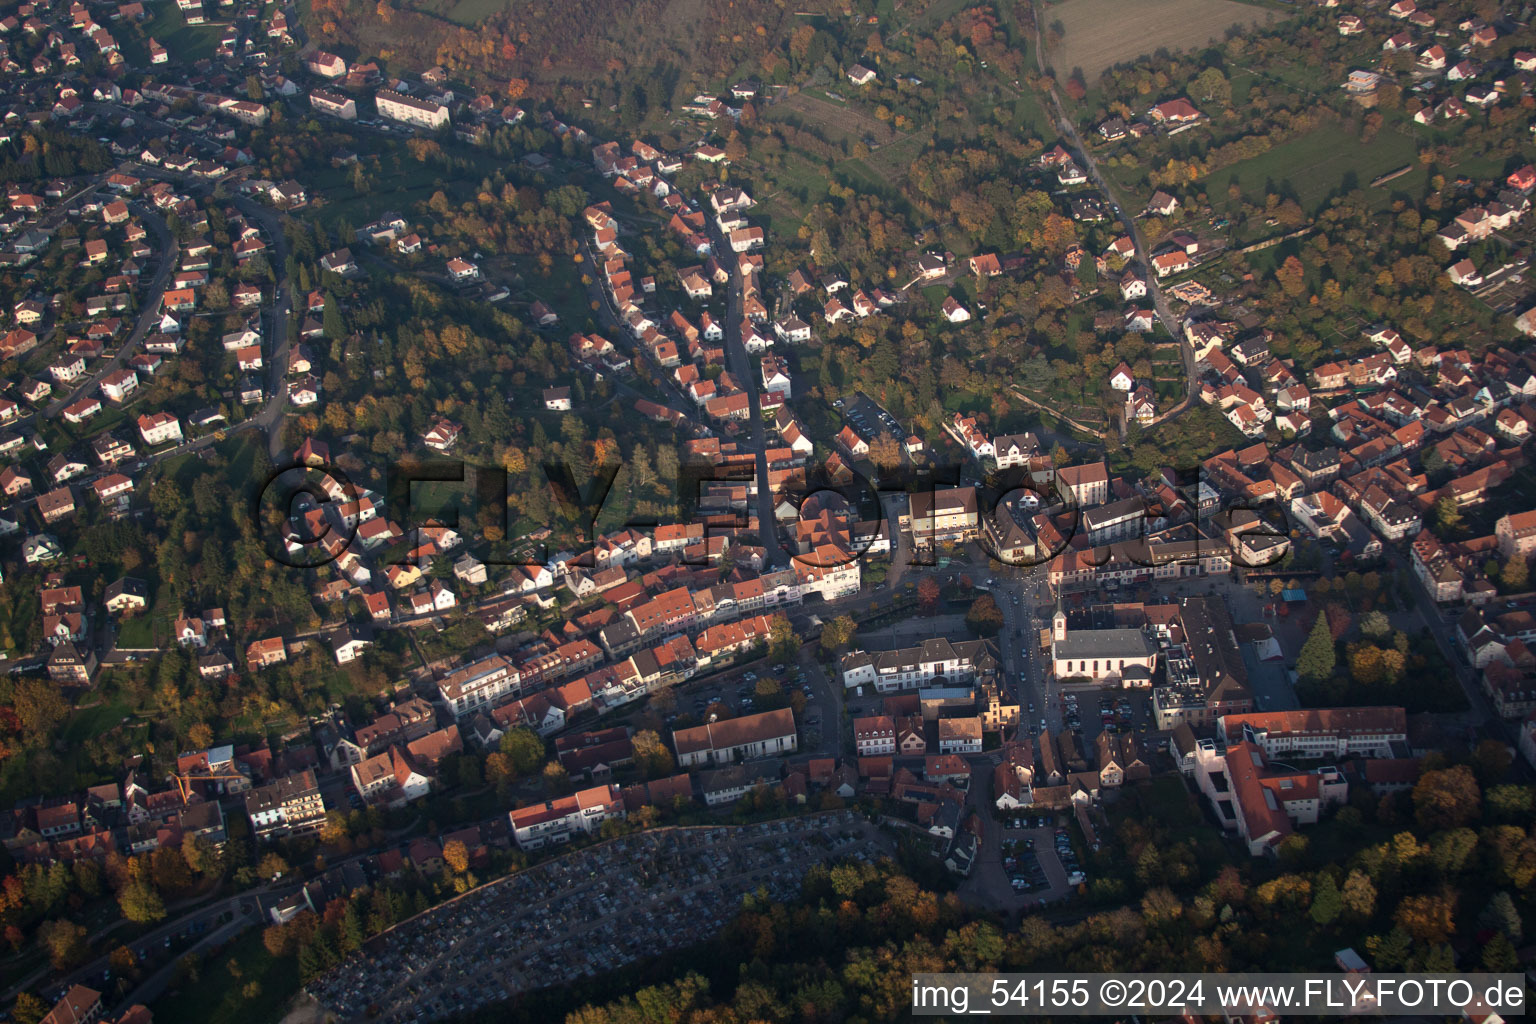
{"x": 1154, "y": 290}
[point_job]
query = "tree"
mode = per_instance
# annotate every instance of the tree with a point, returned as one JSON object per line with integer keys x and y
{"x": 556, "y": 778}
{"x": 984, "y": 617}
{"x": 651, "y": 753}
{"x": 524, "y": 750}
{"x": 1359, "y": 895}
{"x": 1515, "y": 574}
{"x": 1501, "y": 916}
{"x": 838, "y": 632}
{"x": 1447, "y": 516}
{"x": 272, "y": 866}
{"x": 928, "y": 593}
{"x": 1317, "y": 658}
{"x": 1448, "y": 798}
{"x": 1327, "y": 901}
{"x": 140, "y": 903}
{"x": 1292, "y": 277}
{"x": 1375, "y": 625}
{"x": 1499, "y": 955}
{"x": 65, "y": 942}
{"x": 1428, "y": 918}
{"x": 28, "y": 1009}
{"x": 1510, "y": 803}
{"x": 1491, "y": 761}
{"x": 456, "y": 855}
{"x": 783, "y": 641}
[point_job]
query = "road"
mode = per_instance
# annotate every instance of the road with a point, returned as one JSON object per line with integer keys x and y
{"x": 274, "y": 331}
{"x": 1128, "y": 222}
{"x": 149, "y": 315}
{"x": 741, "y": 368}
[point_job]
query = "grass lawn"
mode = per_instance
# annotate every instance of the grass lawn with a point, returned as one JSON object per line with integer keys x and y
{"x": 137, "y": 632}
{"x": 185, "y": 43}
{"x": 217, "y": 997}
{"x": 92, "y": 722}
{"x": 1315, "y": 165}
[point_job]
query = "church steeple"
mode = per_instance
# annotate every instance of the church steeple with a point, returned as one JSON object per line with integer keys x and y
{"x": 1059, "y": 622}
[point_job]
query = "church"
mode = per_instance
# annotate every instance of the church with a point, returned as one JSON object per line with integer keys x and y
{"x": 1117, "y": 657}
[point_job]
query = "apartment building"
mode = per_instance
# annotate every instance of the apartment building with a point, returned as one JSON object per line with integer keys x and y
{"x": 556, "y": 821}
{"x": 291, "y": 806}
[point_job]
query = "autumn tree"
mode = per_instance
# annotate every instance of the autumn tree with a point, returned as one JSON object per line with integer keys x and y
{"x": 456, "y": 856}
{"x": 1428, "y": 917}
{"x": 928, "y": 593}
{"x": 65, "y": 943}
{"x": 651, "y": 754}
{"x": 1448, "y": 798}
{"x": 271, "y": 866}
{"x": 984, "y": 617}
{"x": 838, "y": 632}
{"x": 28, "y": 1009}
{"x": 1292, "y": 277}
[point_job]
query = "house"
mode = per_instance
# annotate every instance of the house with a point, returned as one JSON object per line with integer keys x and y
{"x": 986, "y": 265}
{"x": 461, "y": 271}
{"x": 326, "y": 65}
{"x": 1162, "y": 204}
{"x": 126, "y": 596}
{"x": 1121, "y": 379}
{"x": 1170, "y": 263}
{"x": 442, "y": 435}
{"x": 159, "y": 428}
{"x": 954, "y": 312}
{"x": 557, "y": 399}
{"x": 1175, "y": 112}
{"x": 861, "y": 75}
{"x": 349, "y": 642}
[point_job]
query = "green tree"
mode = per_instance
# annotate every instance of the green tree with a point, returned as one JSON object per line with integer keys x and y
{"x": 524, "y": 749}
{"x": 1515, "y": 574}
{"x": 783, "y": 641}
{"x": 1327, "y": 901}
{"x": 1317, "y": 658}
{"x": 1501, "y": 916}
{"x": 1447, "y": 516}
{"x": 140, "y": 903}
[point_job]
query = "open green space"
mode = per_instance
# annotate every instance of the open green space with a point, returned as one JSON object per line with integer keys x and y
{"x": 1315, "y": 166}
{"x": 216, "y": 995}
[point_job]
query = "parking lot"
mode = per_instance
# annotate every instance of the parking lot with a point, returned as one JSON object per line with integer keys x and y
{"x": 584, "y": 914}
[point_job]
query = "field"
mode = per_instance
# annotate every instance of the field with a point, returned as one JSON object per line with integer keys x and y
{"x": 835, "y": 121}
{"x": 1098, "y": 34}
{"x": 1315, "y": 165}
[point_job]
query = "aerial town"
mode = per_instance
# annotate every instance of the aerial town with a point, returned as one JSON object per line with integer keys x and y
{"x": 497, "y": 527}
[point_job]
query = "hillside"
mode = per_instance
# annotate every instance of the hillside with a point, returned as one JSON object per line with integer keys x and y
{"x": 571, "y": 44}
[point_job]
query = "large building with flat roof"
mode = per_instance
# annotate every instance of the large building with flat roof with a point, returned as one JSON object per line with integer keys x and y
{"x": 410, "y": 110}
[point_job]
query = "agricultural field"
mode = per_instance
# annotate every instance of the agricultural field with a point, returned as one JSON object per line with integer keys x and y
{"x": 1098, "y": 34}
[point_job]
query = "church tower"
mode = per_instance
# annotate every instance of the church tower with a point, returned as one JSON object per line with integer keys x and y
{"x": 1059, "y": 623}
